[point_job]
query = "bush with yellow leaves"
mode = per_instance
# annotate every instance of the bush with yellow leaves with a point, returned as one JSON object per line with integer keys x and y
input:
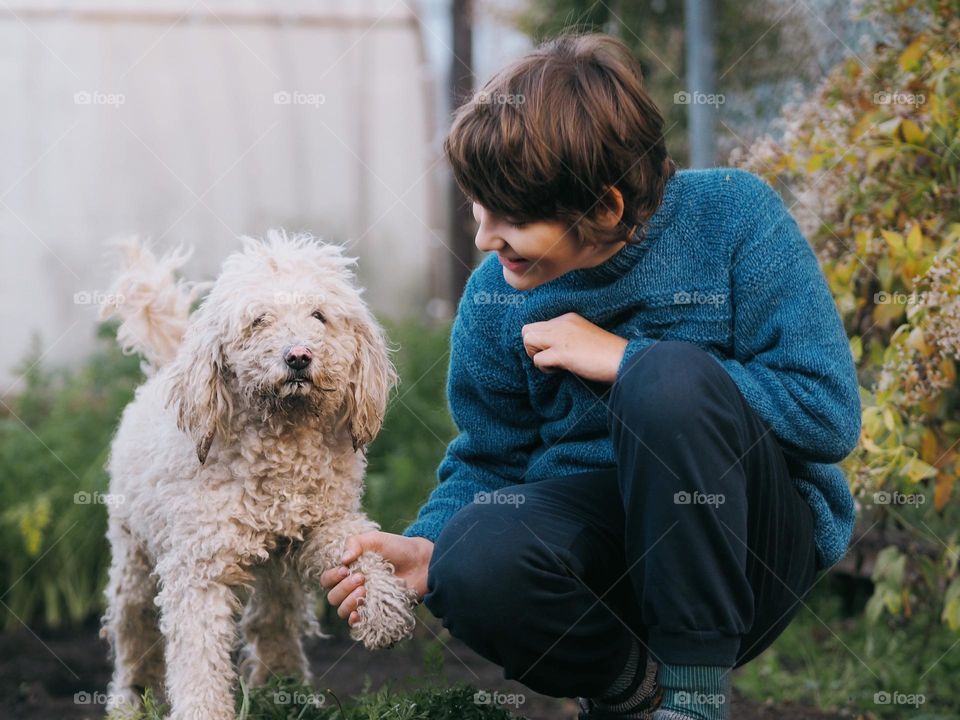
{"x": 871, "y": 162}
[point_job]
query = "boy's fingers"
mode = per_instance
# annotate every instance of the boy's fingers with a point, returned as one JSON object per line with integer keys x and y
{"x": 354, "y": 618}
{"x": 547, "y": 360}
{"x": 534, "y": 343}
{"x": 349, "y": 605}
{"x": 330, "y": 578}
{"x": 351, "y": 549}
{"x": 356, "y": 545}
{"x": 343, "y": 589}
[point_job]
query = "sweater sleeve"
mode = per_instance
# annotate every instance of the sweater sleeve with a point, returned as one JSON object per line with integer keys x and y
{"x": 489, "y": 403}
{"x": 792, "y": 359}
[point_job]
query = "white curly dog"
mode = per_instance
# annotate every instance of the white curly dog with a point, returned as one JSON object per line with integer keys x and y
{"x": 237, "y": 471}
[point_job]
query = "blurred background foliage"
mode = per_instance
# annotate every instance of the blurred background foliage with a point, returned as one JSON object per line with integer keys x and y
{"x": 54, "y": 439}
{"x": 403, "y": 459}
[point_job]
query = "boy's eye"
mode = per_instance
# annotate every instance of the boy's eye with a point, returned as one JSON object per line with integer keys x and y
{"x": 319, "y": 316}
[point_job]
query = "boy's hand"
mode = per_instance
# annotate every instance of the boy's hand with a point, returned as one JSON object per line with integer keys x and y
{"x": 569, "y": 342}
{"x": 410, "y": 557}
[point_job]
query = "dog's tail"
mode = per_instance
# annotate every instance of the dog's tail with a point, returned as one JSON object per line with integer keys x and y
{"x": 152, "y": 304}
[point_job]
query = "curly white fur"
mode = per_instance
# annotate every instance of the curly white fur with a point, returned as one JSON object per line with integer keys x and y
{"x": 154, "y": 306}
{"x": 237, "y": 478}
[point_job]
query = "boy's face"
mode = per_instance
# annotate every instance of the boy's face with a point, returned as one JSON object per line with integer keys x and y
{"x": 534, "y": 253}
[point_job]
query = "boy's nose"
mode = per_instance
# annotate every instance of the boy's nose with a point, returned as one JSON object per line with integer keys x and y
{"x": 487, "y": 241}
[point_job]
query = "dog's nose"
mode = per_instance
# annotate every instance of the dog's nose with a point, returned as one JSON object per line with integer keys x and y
{"x": 297, "y": 356}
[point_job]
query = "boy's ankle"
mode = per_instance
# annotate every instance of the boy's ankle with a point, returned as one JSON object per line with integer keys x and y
{"x": 694, "y": 692}
{"x": 633, "y": 694}
{"x": 637, "y": 685}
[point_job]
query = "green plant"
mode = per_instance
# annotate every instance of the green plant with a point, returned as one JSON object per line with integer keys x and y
{"x": 402, "y": 462}
{"x": 289, "y": 699}
{"x": 54, "y": 440}
{"x": 831, "y": 661}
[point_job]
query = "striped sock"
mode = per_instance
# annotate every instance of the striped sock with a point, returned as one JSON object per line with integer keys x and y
{"x": 632, "y": 692}
{"x": 694, "y": 692}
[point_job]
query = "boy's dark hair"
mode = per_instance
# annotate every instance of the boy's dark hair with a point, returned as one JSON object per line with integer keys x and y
{"x": 548, "y": 135}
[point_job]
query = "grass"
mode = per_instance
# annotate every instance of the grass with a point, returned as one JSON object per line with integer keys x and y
{"x": 834, "y": 660}
{"x": 290, "y": 699}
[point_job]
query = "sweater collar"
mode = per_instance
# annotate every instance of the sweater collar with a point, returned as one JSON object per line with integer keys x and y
{"x": 620, "y": 264}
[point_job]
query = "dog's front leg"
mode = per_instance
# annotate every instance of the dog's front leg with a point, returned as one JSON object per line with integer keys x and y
{"x": 386, "y": 615}
{"x": 198, "y": 621}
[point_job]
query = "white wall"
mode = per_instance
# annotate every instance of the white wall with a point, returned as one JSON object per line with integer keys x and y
{"x": 179, "y": 137}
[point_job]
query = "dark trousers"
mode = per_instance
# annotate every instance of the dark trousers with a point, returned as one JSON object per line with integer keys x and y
{"x": 697, "y": 543}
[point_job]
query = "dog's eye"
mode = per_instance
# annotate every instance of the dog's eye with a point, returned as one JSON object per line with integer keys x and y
{"x": 319, "y": 316}
{"x": 259, "y": 321}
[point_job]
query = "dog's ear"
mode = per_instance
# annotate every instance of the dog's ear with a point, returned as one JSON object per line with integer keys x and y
{"x": 197, "y": 383}
{"x": 372, "y": 376}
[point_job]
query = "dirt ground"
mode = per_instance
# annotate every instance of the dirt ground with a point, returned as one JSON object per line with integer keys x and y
{"x": 41, "y": 674}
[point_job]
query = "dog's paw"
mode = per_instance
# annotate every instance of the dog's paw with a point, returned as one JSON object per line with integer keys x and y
{"x": 386, "y": 615}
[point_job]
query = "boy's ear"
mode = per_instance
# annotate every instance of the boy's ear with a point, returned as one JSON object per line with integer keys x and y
{"x": 610, "y": 207}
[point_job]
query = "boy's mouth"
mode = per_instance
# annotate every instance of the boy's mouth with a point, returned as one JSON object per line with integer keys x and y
{"x": 514, "y": 264}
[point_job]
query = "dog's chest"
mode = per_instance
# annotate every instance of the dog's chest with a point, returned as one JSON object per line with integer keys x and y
{"x": 295, "y": 482}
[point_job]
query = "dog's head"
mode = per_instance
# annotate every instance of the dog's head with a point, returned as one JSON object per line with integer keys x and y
{"x": 284, "y": 334}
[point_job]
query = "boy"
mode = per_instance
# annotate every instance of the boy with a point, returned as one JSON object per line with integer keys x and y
{"x": 651, "y": 384}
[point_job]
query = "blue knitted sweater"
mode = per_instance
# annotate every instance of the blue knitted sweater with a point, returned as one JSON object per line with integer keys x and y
{"x": 724, "y": 266}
